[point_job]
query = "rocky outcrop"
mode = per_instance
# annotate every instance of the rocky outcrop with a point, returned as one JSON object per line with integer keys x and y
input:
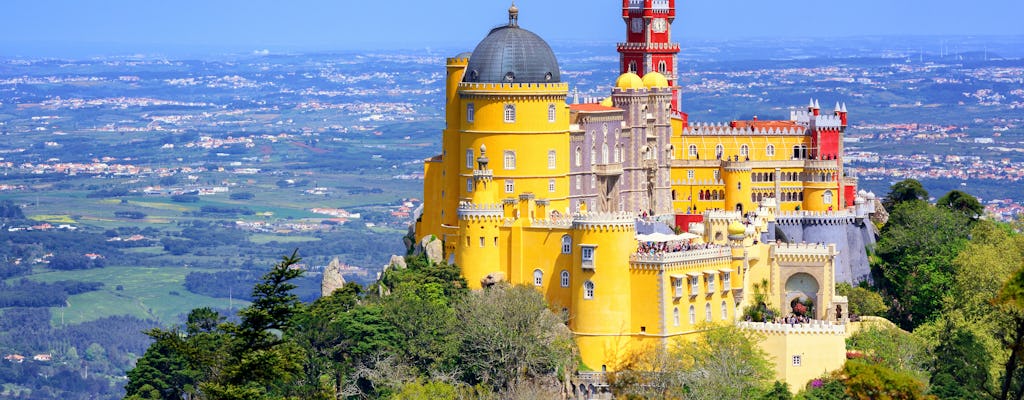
{"x": 881, "y": 216}
{"x": 332, "y": 279}
{"x": 396, "y": 262}
{"x": 492, "y": 279}
{"x": 433, "y": 248}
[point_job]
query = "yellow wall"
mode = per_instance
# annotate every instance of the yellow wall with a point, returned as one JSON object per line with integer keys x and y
{"x": 820, "y": 353}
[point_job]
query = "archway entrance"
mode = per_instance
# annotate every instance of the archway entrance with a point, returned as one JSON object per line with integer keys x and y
{"x": 801, "y": 287}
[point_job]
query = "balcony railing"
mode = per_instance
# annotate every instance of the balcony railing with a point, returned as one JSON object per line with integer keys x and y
{"x": 610, "y": 169}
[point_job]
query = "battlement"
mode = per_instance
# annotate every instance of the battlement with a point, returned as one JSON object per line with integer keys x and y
{"x": 537, "y": 88}
{"x": 680, "y": 256}
{"x": 816, "y": 327}
{"x": 815, "y": 217}
{"x": 561, "y": 222}
{"x": 666, "y": 47}
{"x": 820, "y": 121}
{"x": 826, "y": 165}
{"x": 720, "y": 129}
{"x": 471, "y": 210}
{"x": 601, "y": 220}
{"x": 699, "y": 182}
{"x": 720, "y": 215}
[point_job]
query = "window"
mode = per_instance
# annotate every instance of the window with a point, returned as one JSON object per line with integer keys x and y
{"x": 744, "y": 151}
{"x": 770, "y": 150}
{"x": 510, "y": 159}
{"x": 588, "y": 290}
{"x": 725, "y": 311}
{"x": 538, "y": 277}
{"x": 719, "y": 151}
{"x": 588, "y": 253}
{"x": 593, "y": 181}
{"x": 692, "y": 150}
{"x": 693, "y": 315}
{"x": 707, "y": 312}
{"x": 690, "y": 174}
{"x": 662, "y": 67}
{"x": 632, "y": 65}
{"x": 481, "y": 241}
{"x": 566, "y": 244}
{"x": 510, "y": 186}
{"x": 565, "y": 278}
{"x": 551, "y": 113}
{"x": 670, "y": 152}
{"x": 797, "y": 360}
{"x": 677, "y": 284}
{"x": 827, "y": 198}
{"x": 470, "y": 112}
{"x": 604, "y": 153}
{"x": 510, "y": 113}
{"x": 551, "y": 185}
{"x": 694, "y": 285}
{"x": 718, "y": 175}
{"x": 469, "y": 185}
{"x": 593, "y": 155}
{"x": 726, "y": 284}
{"x": 552, "y": 159}
{"x": 675, "y": 316}
{"x": 579, "y": 156}
{"x": 711, "y": 283}
{"x": 579, "y": 181}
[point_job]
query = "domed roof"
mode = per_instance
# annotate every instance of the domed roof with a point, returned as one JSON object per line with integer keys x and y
{"x": 737, "y": 229}
{"x": 655, "y": 80}
{"x": 629, "y": 80}
{"x": 607, "y": 102}
{"x": 510, "y": 54}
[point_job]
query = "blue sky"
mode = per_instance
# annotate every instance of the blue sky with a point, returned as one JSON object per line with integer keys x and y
{"x": 52, "y": 26}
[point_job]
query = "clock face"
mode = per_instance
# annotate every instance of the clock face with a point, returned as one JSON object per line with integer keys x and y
{"x": 659, "y": 25}
{"x": 638, "y": 25}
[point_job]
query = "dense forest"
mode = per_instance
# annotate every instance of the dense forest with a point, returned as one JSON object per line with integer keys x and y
{"x": 951, "y": 281}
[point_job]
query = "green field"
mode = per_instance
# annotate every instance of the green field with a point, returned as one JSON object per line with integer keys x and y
{"x": 146, "y": 294}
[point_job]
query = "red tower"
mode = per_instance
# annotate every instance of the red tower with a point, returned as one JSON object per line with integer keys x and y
{"x": 648, "y": 45}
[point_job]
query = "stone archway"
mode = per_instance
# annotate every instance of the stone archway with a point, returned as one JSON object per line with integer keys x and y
{"x": 802, "y": 286}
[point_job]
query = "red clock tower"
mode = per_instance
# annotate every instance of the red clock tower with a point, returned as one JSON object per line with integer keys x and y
{"x": 648, "y": 45}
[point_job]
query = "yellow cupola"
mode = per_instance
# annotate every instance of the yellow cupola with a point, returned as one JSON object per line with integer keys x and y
{"x": 655, "y": 80}
{"x": 736, "y": 228}
{"x": 629, "y": 80}
{"x": 607, "y": 102}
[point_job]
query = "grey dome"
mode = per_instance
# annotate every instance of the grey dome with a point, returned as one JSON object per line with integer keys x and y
{"x": 510, "y": 54}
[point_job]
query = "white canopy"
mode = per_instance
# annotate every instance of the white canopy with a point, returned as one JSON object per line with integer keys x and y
{"x": 661, "y": 237}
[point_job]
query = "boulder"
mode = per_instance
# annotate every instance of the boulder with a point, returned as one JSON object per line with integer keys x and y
{"x": 492, "y": 279}
{"x": 332, "y": 279}
{"x": 397, "y": 262}
{"x": 881, "y": 216}
{"x": 433, "y": 248}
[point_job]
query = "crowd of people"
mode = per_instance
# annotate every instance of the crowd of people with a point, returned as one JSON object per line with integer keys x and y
{"x": 672, "y": 247}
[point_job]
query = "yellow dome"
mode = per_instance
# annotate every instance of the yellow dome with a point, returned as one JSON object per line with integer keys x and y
{"x": 607, "y": 102}
{"x": 737, "y": 228}
{"x": 629, "y": 80}
{"x": 655, "y": 80}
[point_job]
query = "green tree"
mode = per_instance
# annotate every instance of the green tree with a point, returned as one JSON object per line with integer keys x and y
{"x": 904, "y": 191}
{"x": 961, "y": 367}
{"x": 962, "y": 202}
{"x": 894, "y": 348}
{"x": 915, "y": 259}
{"x": 779, "y": 391}
{"x": 862, "y": 301}
{"x": 871, "y": 381}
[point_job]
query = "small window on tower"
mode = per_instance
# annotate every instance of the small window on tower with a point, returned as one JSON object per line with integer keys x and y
{"x": 551, "y": 113}
{"x": 510, "y": 113}
{"x": 632, "y": 66}
{"x": 470, "y": 112}
{"x": 662, "y": 67}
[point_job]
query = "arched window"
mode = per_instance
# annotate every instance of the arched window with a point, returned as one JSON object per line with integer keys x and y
{"x": 618, "y": 153}
{"x": 770, "y": 150}
{"x": 693, "y": 150}
{"x": 470, "y": 112}
{"x": 662, "y": 67}
{"x": 565, "y": 278}
{"x": 604, "y": 153}
{"x": 551, "y": 113}
{"x": 579, "y": 156}
{"x": 566, "y": 244}
{"x": 538, "y": 277}
{"x": 744, "y": 151}
{"x": 827, "y": 198}
{"x": 632, "y": 66}
{"x": 469, "y": 158}
{"x": 670, "y": 152}
{"x": 510, "y": 159}
{"x": 593, "y": 154}
{"x": 588, "y": 290}
{"x": 725, "y": 311}
{"x": 552, "y": 159}
{"x": 510, "y": 113}
{"x": 796, "y": 152}
{"x": 719, "y": 151}
{"x": 707, "y": 312}
{"x": 675, "y": 316}
{"x": 693, "y": 315}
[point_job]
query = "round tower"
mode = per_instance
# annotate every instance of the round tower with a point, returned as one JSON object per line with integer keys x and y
{"x": 601, "y": 287}
{"x": 479, "y": 229}
{"x": 736, "y": 176}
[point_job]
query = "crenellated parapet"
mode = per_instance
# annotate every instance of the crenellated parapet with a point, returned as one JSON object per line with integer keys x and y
{"x": 815, "y": 218}
{"x": 720, "y": 129}
{"x": 698, "y": 182}
{"x": 722, "y": 216}
{"x": 737, "y": 166}
{"x": 613, "y": 221}
{"x": 472, "y": 211}
{"x": 804, "y": 252}
{"x": 815, "y": 327}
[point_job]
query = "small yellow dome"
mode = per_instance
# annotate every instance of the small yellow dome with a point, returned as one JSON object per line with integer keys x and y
{"x": 629, "y": 80}
{"x": 607, "y": 102}
{"x": 737, "y": 228}
{"x": 655, "y": 80}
